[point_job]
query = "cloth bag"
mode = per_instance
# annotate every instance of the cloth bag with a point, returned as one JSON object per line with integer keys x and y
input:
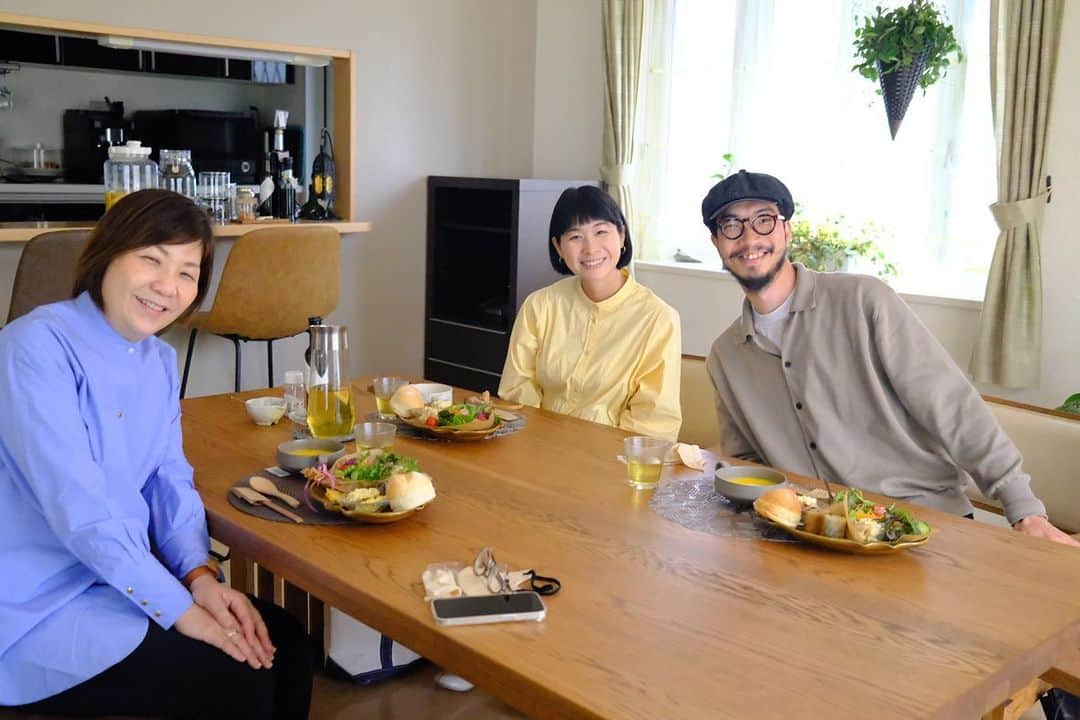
{"x": 362, "y": 654}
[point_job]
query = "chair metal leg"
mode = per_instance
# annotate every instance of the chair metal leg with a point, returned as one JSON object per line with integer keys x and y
{"x": 270, "y": 363}
{"x": 236, "y": 378}
{"x": 187, "y": 362}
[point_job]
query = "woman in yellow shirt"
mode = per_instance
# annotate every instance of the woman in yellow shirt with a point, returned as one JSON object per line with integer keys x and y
{"x": 597, "y": 345}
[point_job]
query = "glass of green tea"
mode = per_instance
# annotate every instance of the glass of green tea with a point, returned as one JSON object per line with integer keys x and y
{"x": 384, "y": 388}
{"x": 644, "y": 460}
{"x": 374, "y": 435}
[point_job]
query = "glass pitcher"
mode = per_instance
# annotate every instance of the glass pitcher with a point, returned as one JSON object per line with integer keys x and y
{"x": 329, "y": 408}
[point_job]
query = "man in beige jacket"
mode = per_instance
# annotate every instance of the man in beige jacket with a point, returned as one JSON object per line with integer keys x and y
{"x": 832, "y": 375}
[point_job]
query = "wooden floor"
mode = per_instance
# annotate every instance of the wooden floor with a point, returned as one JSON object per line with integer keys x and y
{"x": 414, "y": 695}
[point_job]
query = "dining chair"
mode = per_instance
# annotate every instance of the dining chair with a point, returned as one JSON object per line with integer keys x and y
{"x": 46, "y": 270}
{"x": 274, "y": 280}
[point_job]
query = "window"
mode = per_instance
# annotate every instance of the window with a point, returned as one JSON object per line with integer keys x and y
{"x": 770, "y": 82}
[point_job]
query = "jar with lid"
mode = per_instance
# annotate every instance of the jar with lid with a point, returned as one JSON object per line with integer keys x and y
{"x": 246, "y": 202}
{"x": 177, "y": 174}
{"x": 128, "y": 169}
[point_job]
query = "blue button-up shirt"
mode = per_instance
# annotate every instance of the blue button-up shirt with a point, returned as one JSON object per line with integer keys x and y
{"x": 98, "y": 512}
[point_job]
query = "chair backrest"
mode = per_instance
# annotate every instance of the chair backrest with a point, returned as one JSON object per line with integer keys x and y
{"x": 46, "y": 271}
{"x": 698, "y": 402}
{"x": 275, "y": 279}
{"x": 1049, "y": 442}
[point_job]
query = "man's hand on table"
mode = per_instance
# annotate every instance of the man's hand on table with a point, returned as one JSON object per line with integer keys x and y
{"x": 1038, "y": 526}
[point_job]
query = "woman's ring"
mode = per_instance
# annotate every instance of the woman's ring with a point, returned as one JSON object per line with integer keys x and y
{"x": 230, "y": 635}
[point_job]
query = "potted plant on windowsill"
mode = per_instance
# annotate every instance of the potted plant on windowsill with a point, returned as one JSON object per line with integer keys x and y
{"x": 900, "y": 48}
{"x": 830, "y": 246}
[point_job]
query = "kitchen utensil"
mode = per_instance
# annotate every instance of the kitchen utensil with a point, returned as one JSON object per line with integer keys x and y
{"x": 254, "y": 497}
{"x": 267, "y": 487}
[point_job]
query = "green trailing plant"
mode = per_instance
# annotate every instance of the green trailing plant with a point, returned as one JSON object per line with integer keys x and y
{"x": 1071, "y": 404}
{"x": 892, "y": 39}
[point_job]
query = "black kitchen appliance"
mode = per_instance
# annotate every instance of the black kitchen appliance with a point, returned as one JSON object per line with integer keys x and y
{"x": 320, "y": 202}
{"x": 87, "y": 137}
{"x": 221, "y": 141}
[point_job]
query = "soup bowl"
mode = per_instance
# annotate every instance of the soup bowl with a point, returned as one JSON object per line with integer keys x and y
{"x": 745, "y": 483}
{"x": 296, "y": 455}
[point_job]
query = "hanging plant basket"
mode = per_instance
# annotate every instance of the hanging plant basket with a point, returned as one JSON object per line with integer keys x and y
{"x": 898, "y": 87}
{"x": 903, "y": 48}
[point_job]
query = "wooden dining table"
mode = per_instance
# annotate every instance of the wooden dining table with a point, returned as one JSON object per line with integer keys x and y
{"x": 655, "y": 620}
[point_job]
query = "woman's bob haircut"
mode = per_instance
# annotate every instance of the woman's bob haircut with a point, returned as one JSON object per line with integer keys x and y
{"x": 141, "y": 219}
{"x": 581, "y": 205}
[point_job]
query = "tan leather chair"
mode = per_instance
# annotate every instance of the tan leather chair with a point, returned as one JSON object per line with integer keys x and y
{"x": 46, "y": 270}
{"x": 274, "y": 279}
{"x": 698, "y": 401}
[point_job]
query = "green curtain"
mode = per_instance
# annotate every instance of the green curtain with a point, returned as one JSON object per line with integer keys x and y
{"x": 1024, "y": 37}
{"x": 624, "y": 23}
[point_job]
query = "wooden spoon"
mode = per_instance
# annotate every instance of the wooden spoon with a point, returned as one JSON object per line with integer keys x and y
{"x": 267, "y": 487}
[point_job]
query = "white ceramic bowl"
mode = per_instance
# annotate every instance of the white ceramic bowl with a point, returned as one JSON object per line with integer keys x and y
{"x": 265, "y": 410}
{"x": 435, "y": 391}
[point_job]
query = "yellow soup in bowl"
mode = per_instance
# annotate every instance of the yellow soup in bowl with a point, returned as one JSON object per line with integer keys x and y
{"x": 751, "y": 481}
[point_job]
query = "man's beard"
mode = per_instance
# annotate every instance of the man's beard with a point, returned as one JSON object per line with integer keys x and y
{"x": 756, "y": 284}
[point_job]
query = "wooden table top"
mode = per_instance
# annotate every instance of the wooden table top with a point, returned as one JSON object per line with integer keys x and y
{"x": 655, "y": 620}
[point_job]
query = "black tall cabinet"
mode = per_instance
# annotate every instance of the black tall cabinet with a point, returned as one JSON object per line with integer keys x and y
{"x": 487, "y": 249}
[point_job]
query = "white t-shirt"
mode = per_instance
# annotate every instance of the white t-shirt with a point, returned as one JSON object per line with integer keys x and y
{"x": 770, "y": 326}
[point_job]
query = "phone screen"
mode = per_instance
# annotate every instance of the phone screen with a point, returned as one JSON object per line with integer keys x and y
{"x": 506, "y": 604}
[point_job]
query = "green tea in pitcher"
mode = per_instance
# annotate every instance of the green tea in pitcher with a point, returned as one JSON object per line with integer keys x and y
{"x": 329, "y": 412}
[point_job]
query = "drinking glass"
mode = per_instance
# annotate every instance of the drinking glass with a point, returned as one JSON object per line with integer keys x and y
{"x": 213, "y": 191}
{"x": 644, "y": 460}
{"x": 384, "y": 388}
{"x": 374, "y": 435}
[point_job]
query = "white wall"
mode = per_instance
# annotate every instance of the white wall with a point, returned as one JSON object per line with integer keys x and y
{"x": 569, "y": 120}
{"x": 444, "y": 87}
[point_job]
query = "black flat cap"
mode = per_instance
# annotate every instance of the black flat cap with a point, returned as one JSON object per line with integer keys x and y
{"x": 745, "y": 186}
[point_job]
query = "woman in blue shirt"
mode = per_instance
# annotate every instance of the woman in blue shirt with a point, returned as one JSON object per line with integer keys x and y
{"x": 109, "y": 606}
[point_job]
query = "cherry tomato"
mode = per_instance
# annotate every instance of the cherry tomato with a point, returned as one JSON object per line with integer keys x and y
{"x": 879, "y": 511}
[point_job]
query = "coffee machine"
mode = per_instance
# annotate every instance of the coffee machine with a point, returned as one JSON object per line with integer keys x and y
{"x": 88, "y": 134}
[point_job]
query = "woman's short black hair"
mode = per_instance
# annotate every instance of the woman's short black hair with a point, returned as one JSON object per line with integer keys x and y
{"x": 580, "y": 205}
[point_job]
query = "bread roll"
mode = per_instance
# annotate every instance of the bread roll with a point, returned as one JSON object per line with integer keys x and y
{"x": 781, "y": 505}
{"x": 406, "y": 491}
{"x": 406, "y": 401}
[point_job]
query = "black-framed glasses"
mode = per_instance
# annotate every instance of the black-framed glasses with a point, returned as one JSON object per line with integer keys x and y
{"x": 732, "y": 227}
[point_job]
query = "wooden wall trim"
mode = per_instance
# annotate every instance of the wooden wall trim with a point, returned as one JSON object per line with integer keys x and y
{"x": 1032, "y": 408}
{"x": 75, "y": 26}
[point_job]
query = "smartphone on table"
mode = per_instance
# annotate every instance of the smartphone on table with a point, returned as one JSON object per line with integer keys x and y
{"x": 473, "y": 610}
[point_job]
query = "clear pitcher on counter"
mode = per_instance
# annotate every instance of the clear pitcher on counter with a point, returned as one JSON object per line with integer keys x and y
{"x": 330, "y": 411}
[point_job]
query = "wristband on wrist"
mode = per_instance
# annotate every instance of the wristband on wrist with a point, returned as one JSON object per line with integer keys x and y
{"x": 210, "y": 568}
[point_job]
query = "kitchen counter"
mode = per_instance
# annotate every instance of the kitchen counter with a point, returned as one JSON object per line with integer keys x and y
{"x": 17, "y": 232}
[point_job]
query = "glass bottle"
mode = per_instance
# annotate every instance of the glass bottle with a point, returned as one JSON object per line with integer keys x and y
{"x": 177, "y": 174}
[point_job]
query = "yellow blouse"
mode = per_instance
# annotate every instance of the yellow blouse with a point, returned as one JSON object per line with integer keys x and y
{"x": 614, "y": 362}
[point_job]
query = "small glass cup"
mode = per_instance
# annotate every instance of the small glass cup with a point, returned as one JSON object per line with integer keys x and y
{"x": 384, "y": 388}
{"x": 644, "y": 460}
{"x": 213, "y": 191}
{"x": 371, "y": 435}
